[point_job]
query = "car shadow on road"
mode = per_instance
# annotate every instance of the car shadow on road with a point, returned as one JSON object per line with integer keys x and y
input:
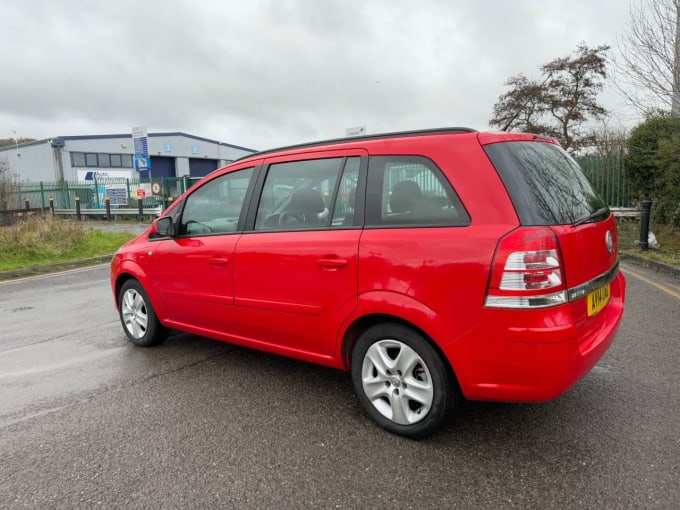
{"x": 590, "y": 405}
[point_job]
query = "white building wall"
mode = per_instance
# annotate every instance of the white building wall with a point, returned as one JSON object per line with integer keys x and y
{"x": 114, "y": 145}
{"x": 32, "y": 162}
{"x": 191, "y": 147}
{"x": 38, "y": 161}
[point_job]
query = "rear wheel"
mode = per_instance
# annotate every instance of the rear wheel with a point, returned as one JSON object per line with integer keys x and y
{"x": 137, "y": 315}
{"x": 401, "y": 380}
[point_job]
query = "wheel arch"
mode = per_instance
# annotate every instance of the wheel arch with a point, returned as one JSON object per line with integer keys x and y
{"x": 129, "y": 270}
{"x": 363, "y": 323}
{"x": 120, "y": 281}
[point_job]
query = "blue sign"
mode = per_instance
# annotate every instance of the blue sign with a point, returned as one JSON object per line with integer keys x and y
{"x": 194, "y": 149}
{"x": 167, "y": 147}
{"x": 141, "y": 143}
{"x": 142, "y": 163}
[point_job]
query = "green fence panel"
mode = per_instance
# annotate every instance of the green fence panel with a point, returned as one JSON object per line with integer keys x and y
{"x": 607, "y": 175}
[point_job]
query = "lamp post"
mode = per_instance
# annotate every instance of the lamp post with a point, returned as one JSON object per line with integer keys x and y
{"x": 16, "y": 143}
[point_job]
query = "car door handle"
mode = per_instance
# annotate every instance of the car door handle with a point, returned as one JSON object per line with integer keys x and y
{"x": 219, "y": 261}
{"x": 332, "y": 263}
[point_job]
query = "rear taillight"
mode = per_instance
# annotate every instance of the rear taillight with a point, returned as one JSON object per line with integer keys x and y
{"x": 527, "y": 271}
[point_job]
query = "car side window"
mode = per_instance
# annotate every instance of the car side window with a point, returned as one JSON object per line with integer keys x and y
{"x": 345, "y": 200}
{"x": 215, "y": 207}
{"x": 298, "y": 194}
{"x": 411, "y": 190}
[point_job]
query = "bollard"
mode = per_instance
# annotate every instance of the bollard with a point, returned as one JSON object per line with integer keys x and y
{"x": 141, "y": 209}
{"x": 52, "y": 205}
{"x": 644, "y": 225}
{"x": 78, "y": 217}
{"x": 28, "y": 204}
{"x": 107, "y": 201}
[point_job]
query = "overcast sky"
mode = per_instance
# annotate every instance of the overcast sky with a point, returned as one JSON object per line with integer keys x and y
{"x": 264, "y": 73}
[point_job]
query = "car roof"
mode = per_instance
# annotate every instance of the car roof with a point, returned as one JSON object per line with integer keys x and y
{"x": 352, "y": 139}
{"x": 489, "y": 137}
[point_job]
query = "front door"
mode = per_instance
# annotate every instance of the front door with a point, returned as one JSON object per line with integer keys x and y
{"x": 194, "y": 270}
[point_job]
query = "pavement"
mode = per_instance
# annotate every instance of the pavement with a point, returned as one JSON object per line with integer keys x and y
{"x": 659, "y": 267}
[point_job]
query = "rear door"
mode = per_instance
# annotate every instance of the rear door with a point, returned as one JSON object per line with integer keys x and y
{"x": 296, "y": 271}
{"x": 548, "y": 188}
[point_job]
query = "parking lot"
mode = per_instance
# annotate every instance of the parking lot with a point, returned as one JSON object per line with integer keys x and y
{"x": 87, "y": 420}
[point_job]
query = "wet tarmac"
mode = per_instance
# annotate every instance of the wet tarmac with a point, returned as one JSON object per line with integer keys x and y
{"x": 88, "y": 420}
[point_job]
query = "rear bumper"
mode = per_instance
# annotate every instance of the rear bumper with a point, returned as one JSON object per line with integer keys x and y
{"x": 535, "y": 355}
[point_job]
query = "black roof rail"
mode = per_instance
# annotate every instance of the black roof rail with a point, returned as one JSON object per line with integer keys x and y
{"x": 397, "y": 134}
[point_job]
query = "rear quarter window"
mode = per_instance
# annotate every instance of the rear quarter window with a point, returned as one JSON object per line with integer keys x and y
{"x": 411, "y": 191}
{"x": 545, "y": 184}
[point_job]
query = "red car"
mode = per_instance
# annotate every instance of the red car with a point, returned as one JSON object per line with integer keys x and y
{"x": 433, "y": 265}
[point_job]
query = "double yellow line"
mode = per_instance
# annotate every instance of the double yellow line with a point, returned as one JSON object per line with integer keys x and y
{"x": 52, "y": 275}
{"x": 663, "y": 288}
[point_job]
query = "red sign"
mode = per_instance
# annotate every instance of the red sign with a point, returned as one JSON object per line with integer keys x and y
{"x": 141, "y": 193}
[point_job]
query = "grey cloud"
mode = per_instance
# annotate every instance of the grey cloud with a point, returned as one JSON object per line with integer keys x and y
{"x": 271, "y": 72}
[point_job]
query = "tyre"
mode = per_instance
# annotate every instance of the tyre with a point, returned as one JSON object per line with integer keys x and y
{"x": 401, "y": 380}
{"x": 137, "y": 315}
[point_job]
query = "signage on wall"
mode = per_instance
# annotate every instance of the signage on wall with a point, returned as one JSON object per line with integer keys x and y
{"x": 194, "y": 149}
{"x": 101, "y": 175}
{"x": 141, "y": 144}
{"x": 117, "y": 194}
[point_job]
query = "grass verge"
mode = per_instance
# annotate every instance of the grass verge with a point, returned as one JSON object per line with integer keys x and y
{"x": 668, "y": 238}
{"x": 45, "y": 241}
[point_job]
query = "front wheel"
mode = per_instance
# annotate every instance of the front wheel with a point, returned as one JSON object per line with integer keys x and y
{"x": 401, "y": 380}
{"x": 138, "y": 317}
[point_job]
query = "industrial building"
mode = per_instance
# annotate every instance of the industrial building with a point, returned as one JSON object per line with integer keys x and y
{"x": 84, "y": 158}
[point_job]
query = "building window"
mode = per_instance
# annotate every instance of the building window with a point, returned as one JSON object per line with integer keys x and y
{"x": 104, "y": 160}
{"x": 91, "y": 159}
{"x": 100, "y": 160}
{"x": 77, "y": 159}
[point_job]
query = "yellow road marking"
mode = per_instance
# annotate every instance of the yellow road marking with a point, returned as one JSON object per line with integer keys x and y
{"x": 662, "y": 288}
{"x": 52, "y": 275}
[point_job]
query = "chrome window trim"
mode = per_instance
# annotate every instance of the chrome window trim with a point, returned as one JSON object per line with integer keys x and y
{"x": 526, "y": 302}
{"x": 586, "y": 288}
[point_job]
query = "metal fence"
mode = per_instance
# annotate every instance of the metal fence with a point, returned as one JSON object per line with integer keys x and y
{"x": 605, "y": 173}
{"x": 122, "y": 193}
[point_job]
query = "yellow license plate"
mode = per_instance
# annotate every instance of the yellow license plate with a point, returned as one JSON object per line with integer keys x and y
{"x": 598, "y": 299}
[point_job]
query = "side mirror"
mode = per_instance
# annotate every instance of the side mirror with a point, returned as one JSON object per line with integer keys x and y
{"x": 163, "y": 227}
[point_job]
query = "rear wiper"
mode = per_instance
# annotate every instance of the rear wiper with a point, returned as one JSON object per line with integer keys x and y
{"x": 603, "y": 211}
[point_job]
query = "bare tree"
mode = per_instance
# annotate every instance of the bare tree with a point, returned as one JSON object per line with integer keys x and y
{"x": 608, "y": 138}
{"x": 560, "y": 104}
{"x": 521, "y": 107}
{"x": 9, "y": 187}
{"x": 648, "y": 68}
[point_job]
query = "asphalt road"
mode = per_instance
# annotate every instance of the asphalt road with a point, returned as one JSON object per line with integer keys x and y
{"x": 89, "y": 421}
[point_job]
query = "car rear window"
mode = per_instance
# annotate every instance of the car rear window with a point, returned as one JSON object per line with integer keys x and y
{"x": 545, "y": 184}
